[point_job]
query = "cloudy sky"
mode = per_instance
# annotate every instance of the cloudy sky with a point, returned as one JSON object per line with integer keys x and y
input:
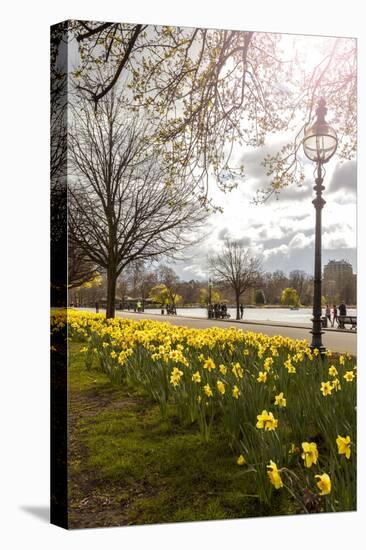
{"x": 281, "y": 232}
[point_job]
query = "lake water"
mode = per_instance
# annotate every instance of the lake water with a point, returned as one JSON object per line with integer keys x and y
{"x": 302, "y": 315}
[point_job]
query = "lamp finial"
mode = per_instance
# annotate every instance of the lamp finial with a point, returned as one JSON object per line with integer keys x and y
{"x": 321, "y": 110}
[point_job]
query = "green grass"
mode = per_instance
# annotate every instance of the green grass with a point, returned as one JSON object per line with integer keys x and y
{"x": 127, "y": 466}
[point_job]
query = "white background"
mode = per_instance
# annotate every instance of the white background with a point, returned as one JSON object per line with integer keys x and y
{"x": 24, "y": 260}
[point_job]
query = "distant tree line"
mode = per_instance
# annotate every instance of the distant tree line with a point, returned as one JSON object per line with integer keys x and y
{"x": 145, "y": 281}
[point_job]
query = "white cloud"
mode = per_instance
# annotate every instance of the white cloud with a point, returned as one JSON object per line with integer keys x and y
{"x": 333, "y": 242}
{"x": 281, "y": 250}
{"x": 300, "y": 241}
{"x": 280, "y": 232}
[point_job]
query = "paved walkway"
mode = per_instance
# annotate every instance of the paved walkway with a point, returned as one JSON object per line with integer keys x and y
{"x": 341, "y": 341}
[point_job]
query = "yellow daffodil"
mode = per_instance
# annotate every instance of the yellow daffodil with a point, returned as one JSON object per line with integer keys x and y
{"x": 174, "y": 355}
{"x": 280, "y": 401}
{"x": 310, "y": 454}
{"x": 241, "y": 460}
{"x": 332, "y": 371}
{"x": 223, "y": 369}
{"x": 326, "y": 388}
{"x": 268, "y": 364}
{"x": 175, "y": 376}
{"x": 274, "y": 475}
{"x": 349, "y": 376}
{"x": 237, "y": 370}
{"x": 209, "y": 364}
{"x": 222, "y": 360}
{"x": 196, "y": 377}
{"x": 324, "y": 484}
{"x": 344, "y": 446}
{"x": 207, "y": 390}
{"x": 291, "y": 369}
{"x": 266, "y": 421}
{"x": 122, "y": 358}
{"x": 262, "y": 377}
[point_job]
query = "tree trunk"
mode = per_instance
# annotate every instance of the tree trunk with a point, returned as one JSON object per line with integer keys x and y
{"x": 111, "y": 292}
{"x": 237, "y": 299}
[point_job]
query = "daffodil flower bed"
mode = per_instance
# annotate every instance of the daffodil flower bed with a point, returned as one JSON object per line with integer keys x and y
{"x": 288, "y": 414}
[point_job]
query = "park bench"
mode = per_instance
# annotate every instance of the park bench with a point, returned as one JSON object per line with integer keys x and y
{"x": 344, "y": 320}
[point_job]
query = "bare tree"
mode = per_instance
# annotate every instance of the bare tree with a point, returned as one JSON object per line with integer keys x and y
{"x": 170, "y": 280}
{"x": 141, "y": 280}
{"x": 123, "y": 204}
{"x": 273, "y": 284}
{"x": 234, "y": 267}
{"x": 297, "y": 279}
{"x": 122, "y": 288}
{"x": 58, "y": 165}
{"x": 80, "y": 269}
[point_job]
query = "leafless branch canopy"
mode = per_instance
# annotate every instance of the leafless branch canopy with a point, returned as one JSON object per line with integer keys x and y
{"x": 214, "y": 88}
{"x": 123, "y": 204}
{"x": 236, "y": 268}
{"x": 80, "y": 269}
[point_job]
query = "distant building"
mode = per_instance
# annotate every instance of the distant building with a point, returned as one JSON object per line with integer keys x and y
{"x": 339, "y": 281}
{"x": 337, "y": 269}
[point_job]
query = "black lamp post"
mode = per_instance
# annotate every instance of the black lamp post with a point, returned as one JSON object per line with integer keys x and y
{"x": 320, "y": 143}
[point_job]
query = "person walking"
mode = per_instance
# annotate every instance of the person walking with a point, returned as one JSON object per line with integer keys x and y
{"x": 216, "y": 311}
{"x": 327, "y": 313}
{"x": 241, "y": 311}
{"x": 342, "y": 313}
{"x": 335, "y": 315}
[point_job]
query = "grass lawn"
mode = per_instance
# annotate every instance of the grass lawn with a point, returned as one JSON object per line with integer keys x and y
{"x": 128, "y": 467}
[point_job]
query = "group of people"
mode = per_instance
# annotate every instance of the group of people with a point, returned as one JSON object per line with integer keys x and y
{"x": 218, "y": 311}
{"x": 333, "y": 314}
{"x": 170, "y": 310}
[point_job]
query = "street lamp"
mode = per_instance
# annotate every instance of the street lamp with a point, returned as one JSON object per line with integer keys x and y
{"x": 209, "y": 297}
{"x": 320, "y": 143}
